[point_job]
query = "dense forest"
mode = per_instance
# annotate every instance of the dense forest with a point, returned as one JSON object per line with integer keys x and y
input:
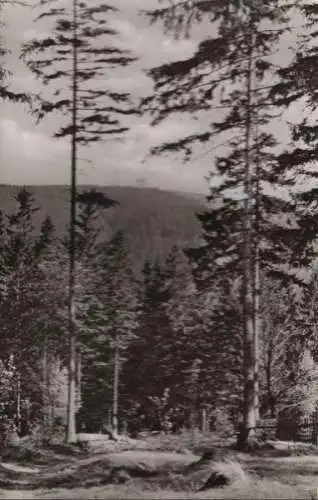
{"x": 130, "y": 308}
{"x": 173, "y": 345}
{"x": 152, "y": 220}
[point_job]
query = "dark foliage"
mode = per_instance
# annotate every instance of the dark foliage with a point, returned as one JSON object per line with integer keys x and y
{"x": 100, "y": 109}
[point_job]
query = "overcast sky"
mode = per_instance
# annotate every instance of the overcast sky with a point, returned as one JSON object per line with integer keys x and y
{"x": 30, "y": 156}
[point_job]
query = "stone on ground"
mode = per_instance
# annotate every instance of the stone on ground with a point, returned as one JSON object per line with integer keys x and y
{"x": 118, "y": 476}
{"x": 223, "y": 473}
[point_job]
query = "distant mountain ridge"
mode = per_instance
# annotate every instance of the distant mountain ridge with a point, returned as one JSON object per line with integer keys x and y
{"x": 152, "y": 219}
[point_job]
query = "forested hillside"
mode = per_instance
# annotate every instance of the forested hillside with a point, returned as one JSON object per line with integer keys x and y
{"x": 152, "y": 220}
{"x": 157, "y": 347}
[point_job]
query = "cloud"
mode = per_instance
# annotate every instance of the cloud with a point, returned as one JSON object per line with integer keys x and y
{"x": 166, "y": 131}
{"x": 30, "y": 156}
{"x": 31, "y": 144}
{"x": 136, "y": 82}
{"x": 31, "y": 33}
{"x": 150, "y": 44}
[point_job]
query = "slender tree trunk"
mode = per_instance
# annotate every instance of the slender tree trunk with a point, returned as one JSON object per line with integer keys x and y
{"x": 45, "y": 395}
{"x": 192, "y": 424}
{"x": 79, "y": 375}
{"x": 257, "y": 325}
{"x": 249, "y": 422}
{"x": 257, "y": 318}
{"x": 270, "y": 399}
{"x": 115, "y": 390}
{"x": 204, "y": 421}
{"x": 192, "y": 414}
{"x": 19, "y": 404}
{"x": 71, "y": 400}
{"x": 71, "y": 403}
{"x": 51, "y": 411}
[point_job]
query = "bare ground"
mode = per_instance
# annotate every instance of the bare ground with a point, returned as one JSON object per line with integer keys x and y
{"x": 66, "y": 474}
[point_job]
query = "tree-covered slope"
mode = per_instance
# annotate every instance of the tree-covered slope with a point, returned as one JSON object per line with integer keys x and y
{"x": 152, "y": 220}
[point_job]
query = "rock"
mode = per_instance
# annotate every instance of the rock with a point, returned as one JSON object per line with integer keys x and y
{"x": 121, "y": 474}
{"x": 118, "y": 476}
{"x": 224, "y": 473}
{"x": 143, "y": 469}
{"x": 184, "y": 451}
{"x": 210, "y": 455}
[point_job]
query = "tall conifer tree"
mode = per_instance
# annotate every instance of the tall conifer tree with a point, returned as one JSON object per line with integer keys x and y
{"x": 231, "y": 74}
{"x": 298, "y": 87}
{"x": 77, "y": 56}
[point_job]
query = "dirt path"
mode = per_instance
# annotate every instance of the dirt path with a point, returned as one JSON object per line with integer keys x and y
{"x": 286, "y": 479}
{"x": 83, "y": 471}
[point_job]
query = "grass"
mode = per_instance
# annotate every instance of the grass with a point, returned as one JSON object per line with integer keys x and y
{"x": 158, "y": 474}
{"x": 261, "y": 489}
{"x": 185, "y": 441}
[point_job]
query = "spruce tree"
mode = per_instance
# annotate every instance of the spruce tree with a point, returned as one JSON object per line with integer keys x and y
{"x": 76, "y": 56}
{"x": 22, "y": 254}
{"x": 147, "y": 371}
{"x": 89, "y": 224}
{"x": 298, "y": 87}
{"x": 279, "y": 311}
{"x": 99, "y": 109}
{"x": 6, "y": 94}
{"x": 111, "y": 321}
{"x": 183, "y": 345}
{"x": 242, "y": 202}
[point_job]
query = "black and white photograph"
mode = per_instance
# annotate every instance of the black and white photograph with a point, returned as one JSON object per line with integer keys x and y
{"x": 159, "y": 249}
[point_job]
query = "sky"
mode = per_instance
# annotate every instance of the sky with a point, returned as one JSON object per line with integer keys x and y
{"x": 29, "y": 154}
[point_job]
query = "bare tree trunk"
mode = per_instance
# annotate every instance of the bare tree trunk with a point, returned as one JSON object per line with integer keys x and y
{"x": 51, "y": 412}
{"x": 257, "y": 318}
{"x": 71, "y": 402}
{"x": 19, "y": 404}
{"x": 79, "y": 375}
{"x": 257, "y": 324}
{"x": 192, "y": 417}
{"x": 204, "y": 421}
{"x": 192, "y": 427}
{"x": 249, "y": 422}
{"x": 115, "y": 390}
{"x": 44, "y": 378}
{"x": 270, "y": 398}
{"x": 269, "y": 385}
{"x": 46, "y": 396}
